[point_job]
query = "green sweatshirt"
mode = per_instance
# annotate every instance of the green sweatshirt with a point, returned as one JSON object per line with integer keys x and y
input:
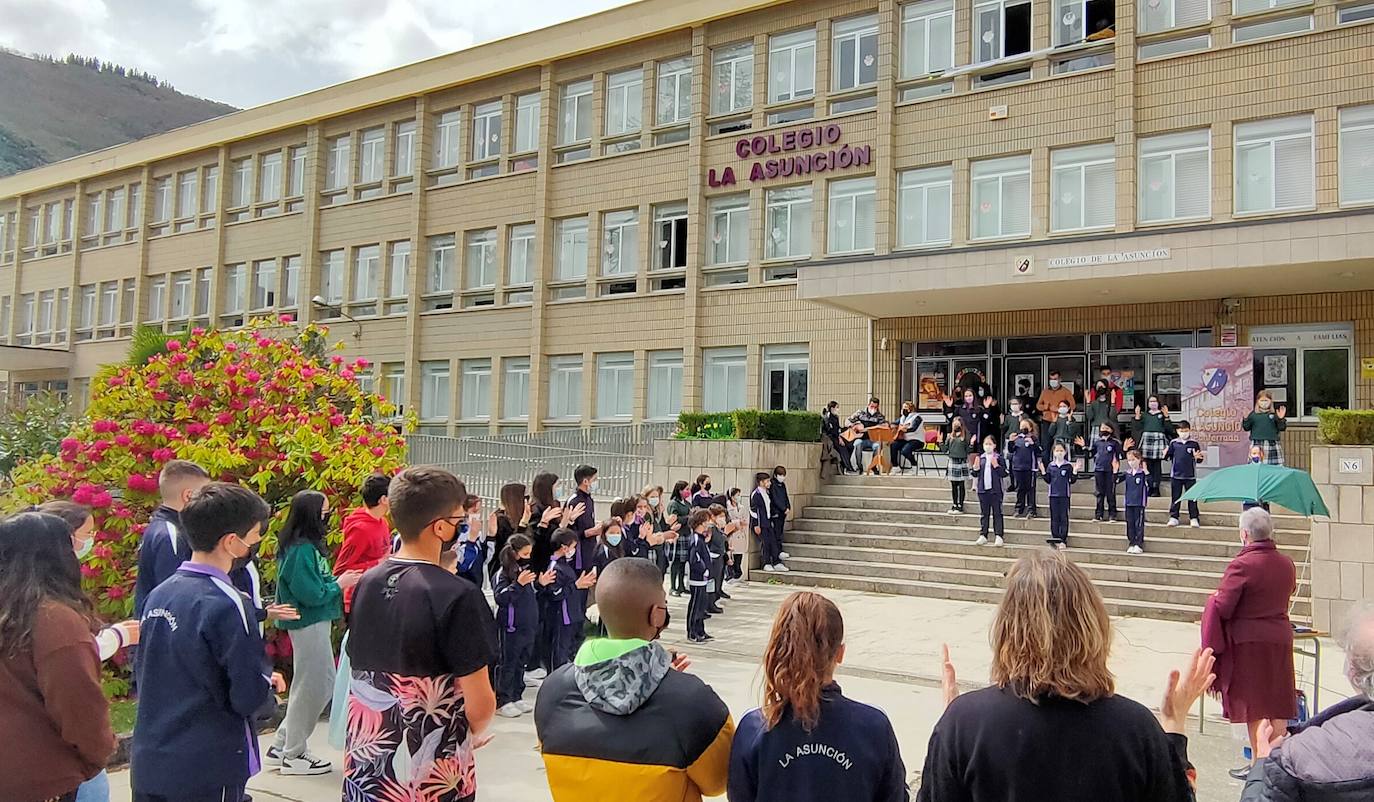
{"x": 305, "y": 582}
{"x": 1263, "y": 426}
{"x": 958, "y": 449}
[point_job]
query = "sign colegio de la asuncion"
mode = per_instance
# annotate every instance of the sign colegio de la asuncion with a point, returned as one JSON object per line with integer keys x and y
{"x": 792, "y": 153}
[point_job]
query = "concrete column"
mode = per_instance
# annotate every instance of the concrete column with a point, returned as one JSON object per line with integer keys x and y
{"x": 696, "y": 227}
{"x": 419, "y": 254}
{"x": 885, "y": 179}
{"x": 543, "y": 235}
{"x": 308, "y": 280}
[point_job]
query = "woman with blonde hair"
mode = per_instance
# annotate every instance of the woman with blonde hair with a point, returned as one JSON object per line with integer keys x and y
{"x": 1051, "y": 726}
{"x": 808, "y": 741}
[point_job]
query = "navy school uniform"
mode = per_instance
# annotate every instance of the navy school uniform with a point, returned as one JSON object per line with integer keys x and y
{"x": 1059, "y": 476}
{"x": 201, "y": 682}
{"x": 1105, "y": 452}
{"x": 698, "y": 580}
{"x": 1137, "y": 496}
{"x": 1182, "y": 474}
{"x": 761, "y": 515}
{"x": 987, "y": 481}
{"x": 1025, "y": 457}
{"x": 564, "y": 613}
{"x": 582, "y": 561}
{"x": 517, "y": 621}
{"x": 717, "y": 547}
{"x": 161, "y": 550}
{"x": 777, "y": 494}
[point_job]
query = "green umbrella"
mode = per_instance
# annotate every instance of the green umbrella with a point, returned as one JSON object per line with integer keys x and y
{"x": 1260, "y": 481}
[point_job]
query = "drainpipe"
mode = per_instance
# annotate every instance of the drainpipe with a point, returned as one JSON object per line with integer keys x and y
{"x": 870, "y": 357}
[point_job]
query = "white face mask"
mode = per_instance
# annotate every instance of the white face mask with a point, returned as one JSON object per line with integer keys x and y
{"x": 1264, "y": 403}
{"x": 1054, "y": 384}
{"x": 653, "y": 501}
{"x": 1015, "y": 407}
{"x": 1063, "y": 410}
{"x": 988, "y": 448}
{"x": 1154, "y": 405}
{"x": 593, "y": 486}
{"x": 1059, "y": 456}
{"x": 1135, "y": 464}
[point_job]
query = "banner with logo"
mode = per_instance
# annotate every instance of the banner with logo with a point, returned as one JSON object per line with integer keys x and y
{"x": 1218, "y": 392}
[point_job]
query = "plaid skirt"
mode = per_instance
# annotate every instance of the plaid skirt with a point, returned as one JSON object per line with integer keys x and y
{"x": 958, "y": 470}
{"x": 1271, "y": 449}
{"x": 1153, "y": 445}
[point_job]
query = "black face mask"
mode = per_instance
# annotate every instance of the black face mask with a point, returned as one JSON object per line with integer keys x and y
{"x": 667, "y": 619}
{"x": 706, "y": 486}
{"x": 523, "y": 565}
{"x": 449, "y": 545}
{"x": 1105, "y": 433}
{"x": 242, "y": 562}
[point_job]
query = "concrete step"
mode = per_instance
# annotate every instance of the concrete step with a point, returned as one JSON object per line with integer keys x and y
{"x": 964, "y": 530}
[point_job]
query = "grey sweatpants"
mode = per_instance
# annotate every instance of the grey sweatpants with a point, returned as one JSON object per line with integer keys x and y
{"x": 312, "y": 687}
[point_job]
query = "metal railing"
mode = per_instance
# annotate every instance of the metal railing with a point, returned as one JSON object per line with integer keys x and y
{"x": 622, "y": 455}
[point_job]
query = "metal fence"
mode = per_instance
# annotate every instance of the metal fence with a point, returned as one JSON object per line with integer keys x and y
{"x": 622, "y": 455}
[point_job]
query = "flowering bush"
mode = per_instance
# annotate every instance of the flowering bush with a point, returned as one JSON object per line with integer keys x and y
{"x": 266, "y": 406}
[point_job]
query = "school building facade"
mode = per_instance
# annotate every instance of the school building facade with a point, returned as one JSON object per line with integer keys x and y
{"x": 710, "y": 204}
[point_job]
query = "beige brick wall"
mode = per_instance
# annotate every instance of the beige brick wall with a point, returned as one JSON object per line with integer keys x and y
{"x": 1343, "y": 545}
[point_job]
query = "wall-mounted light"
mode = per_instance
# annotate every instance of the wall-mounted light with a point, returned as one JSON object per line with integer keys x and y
{"x": 320, "y": 303}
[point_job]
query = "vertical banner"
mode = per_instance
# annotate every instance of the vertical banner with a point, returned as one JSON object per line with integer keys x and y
{"x": 1218, "y": 391}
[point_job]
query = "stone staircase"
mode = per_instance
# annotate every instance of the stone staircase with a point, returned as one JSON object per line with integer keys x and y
{"x": 894, "y": 535}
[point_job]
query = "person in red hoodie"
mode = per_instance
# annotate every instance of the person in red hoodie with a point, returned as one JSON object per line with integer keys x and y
{"x": 366, "y": 533}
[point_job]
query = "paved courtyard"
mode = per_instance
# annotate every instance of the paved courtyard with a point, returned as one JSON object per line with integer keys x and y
{"x": 892, "y": 660}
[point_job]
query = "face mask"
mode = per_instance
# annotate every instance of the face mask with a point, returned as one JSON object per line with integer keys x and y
{"x": 667, "y": 619}
{"x": 1102, "y": 388}
{"x": 523, "y": 563}
{"x": 1264, "y": 403}
{"x": 1183, "y": 435}
{"x": 593, "y": 486}
{"x": 1154, "y": 405}
{"x": 1054, "y": 384}
{"x": 613, "y": 540}
{"x": 988, "y": 449}
{"x": 720, "y": 522}
{"x": 872, "y": 410}
{"x": 241, "y": 562}
{"x": 1063, "y": 410}
{"x": 1025, "y": 432}
{"x": 1134, "y": 464}
{"x": 968, "y": 399}
{"x": 653, "y": 501}
{"x": 1059, "y": 456}
{"x": 779, "y": 477}
{"x": 1106, "y": 432}
{"x": 85, "y": 548}
{"x": 1015, "y": 407}
{"x": 1255, "y": 459}
{"x": 706, "y": 486}
{"x": 982, "y": 392}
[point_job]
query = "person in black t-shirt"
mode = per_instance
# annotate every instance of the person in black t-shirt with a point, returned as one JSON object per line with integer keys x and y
{"x": 419, "y": 633}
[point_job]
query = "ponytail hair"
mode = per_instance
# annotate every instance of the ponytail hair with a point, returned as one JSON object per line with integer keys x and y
{"x": 510, "y": 554}
{"x": 800, "y": 659}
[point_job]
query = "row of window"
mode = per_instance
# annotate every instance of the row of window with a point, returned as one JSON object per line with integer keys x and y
{"x": 786, "y": 372}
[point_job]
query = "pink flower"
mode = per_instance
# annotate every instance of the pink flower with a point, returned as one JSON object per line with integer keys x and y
{"x": 231, "y": 370}
{"x": 336, "y": 359}
{"x": 197, "y": 331}
{"x": 158, "y": 395}
{"x": 123, "y": 440}
{"x": 144, "y": 427}
{"x": 252, "y": 376}
{"x": 104, "y": 426}
{"x": 70, "y": 444}
{"x": 115, "y": 591}
{"x": 307, "y": 373}
{"x": 347, "y": 375}
{"x": 231, "y": 347}
{"x": 361, "y": 364}
{"x": 284, "y": 319}
{"x": 196, "y": 429}
{"x": 185, "y": 378}
{"x": 378, "y": 451}
{"x": 163, "y": 455}
{"x": 317, "y": 456}
{"x": 336, "y": 419}
{"x": 88, "y": 572}
{"x": 224, "y": 418}
{"x": 364, "y": 439}
{"x": 174, "y": 345}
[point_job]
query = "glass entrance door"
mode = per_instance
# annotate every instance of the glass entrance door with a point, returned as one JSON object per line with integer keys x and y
{"x": 1025, "y": 376}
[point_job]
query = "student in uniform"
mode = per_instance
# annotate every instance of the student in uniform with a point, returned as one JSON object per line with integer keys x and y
{"x": 719, "y": 524}
{"x": 164, "y": 546}
{"x": 564, "y": 613}
{"x": 1061, "y": 430}
{"x": 831, "y": 427}
{"x": 1105, "y": 454}
{"x": 701, "y": 493}
{"x": 761, "y": 521}
{"x": 517, "y": 617}
{"x": 1017, "y": 411}
{"x": 777, "y": 491}
{"x": 1059, "y": 475}
{"x": 988, "y": 472}
{"x": 699, "y": 575}
{"x": 956, "y": 449}
{"x": 610, "y": 544}
{"x": 511, "y": 517}
{"x": 661, "y": 551}
{"x": 739, "y": 535}
{"x": 1184, "y": 455}
{"x": 1264, "y": 425}
{"x": 1025, "y": 460}
{"x": 978, "y": 411}
{"x": 473, "y": 539}
{"x": 1137, "y": 496}
{"x": 1153, "y": 432}
{"x": 1099, "y": 411}
{"x": 677, "y": 513}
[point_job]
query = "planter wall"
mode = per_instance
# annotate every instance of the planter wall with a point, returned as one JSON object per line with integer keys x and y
{"x": 1342, "y": 546}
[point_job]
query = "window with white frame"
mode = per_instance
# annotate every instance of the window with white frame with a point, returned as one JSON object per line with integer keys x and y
{"x": 180, "y": 305}
{"x": 480, "y": 271}
{"x": 204, "y": 277}
{"x": 854, "y": 53}
{"x": 398, "y": 274}
{"x": 127, "y": 302}
{"x": 723, "y": 386}
{"x": 332, "y": 270}
{"x": 565, "y": 387}
{"x": 188, "y": 194}
{"x": 157, "y": 299}
{"x": 86, "y": 310}
{"x": 209, "y": 202}
{"x": 162, "y": 202}
{"x": 235, "y": 290}
{"x": 269, "y": 177}
{"x": 788, "y": 231}
{"x": 732, "y": 74}
{"x": 135, "y": 206}
{"x": 1274, "y": 165}
{"x": 527, "y": 123}
{"x": 441, "y": 263}
{"x": 337, "y": 161}
{"x": 291, "y": 281}
{"x": 670, "y": 227}
{"x": 624, "y": 102}
{"x": 1243, "y": 7}
{"x": 615, "y": 385}
{"x": 27, "y": 314}
{"x": 1357, "y": 155}
{"x": 474, "y": 402}
{"x": 1306, "y": 367}
{"x": 115, "y": 211}
{"x": 665, "y": 385}
{"x": 792, "y": 66}
{"x": 446, "y": 136}
{"x": 241, "y": 188}
{"x": 674, "y": 91}
{"x": 367, "y": 268}
{"x": 1083, "y": 187}
{"x": 521, "y": 256}
{"x": 1356, "y": 13}
{"x": 47, "y": 313}
{"x": 93, "y": 222}
{"x": 1001, "y": 28}
{"x": 486, "y": 131}
{"x": 927, "y": 38}
{"x": 436, "y": 395}
{"x": 295, "y": 171}
{"x": 263, "y": 290}
{"x": 572, "y": 249}
{"x": 1164, "y": 15}
{"x": 729, "y": 229}
{"x": 371, "y": 155}
{"x": 786, "y": 374}
{"x": 515, "y": 388}
{"x": 394, "y": 385}
{"x": 575, "y": 113}
{"x": 109, "y": 303}
{"x": 1175, "y": 177}
{"x": 1082, "y": 20}
{"x": 403, "y": 160}
{"x": 924, "y": 207}
{"x": 1001, "y": 198}
{"x": 851, "y": 215}
{"x": 620, "y": 254}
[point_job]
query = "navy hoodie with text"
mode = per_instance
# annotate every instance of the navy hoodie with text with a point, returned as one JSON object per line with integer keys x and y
{"x": 161, "y": 551}
{"x": 851, "y": 754}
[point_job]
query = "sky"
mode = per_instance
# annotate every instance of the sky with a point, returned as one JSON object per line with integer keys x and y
{"x": 249, "y": 52}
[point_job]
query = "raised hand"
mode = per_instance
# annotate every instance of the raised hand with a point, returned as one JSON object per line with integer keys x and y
{"x": 1283, "y": 411}
{"x": 988, "y": 402}
{"x": 587, "y": 579}
{"x": 1183, "y": 690}
{"x": 574, "y": 512}
{"x": 1130, "y": 441}
{"x": 525, "y": 577}
{"x": 1164, "y": 411}
{"x": 1268, "y": 740}
{"x": 1078, "y": 441}
{"x": 549, "y": 514}
{"x": 547, "y": 578}
{"x": 949, "y": 682}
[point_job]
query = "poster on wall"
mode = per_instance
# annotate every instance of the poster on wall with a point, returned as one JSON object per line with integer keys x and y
{"x": 1126, "y": 381}
{"x": 930, "y": 390}
{"x": 1218, "y": 391}
{"x": 1275, "y": 369}
{"x": 1025, "y": 384}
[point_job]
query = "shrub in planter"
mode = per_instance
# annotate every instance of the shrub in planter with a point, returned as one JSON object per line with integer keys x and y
{"x": 705, "y": 426}
{"x": 1346, "y": 427}
{"x": 750, "y": 424}
{"x": 792, "y": 427}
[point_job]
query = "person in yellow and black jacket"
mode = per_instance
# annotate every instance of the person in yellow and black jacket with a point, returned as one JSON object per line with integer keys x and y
{"x": 624, "y": 720}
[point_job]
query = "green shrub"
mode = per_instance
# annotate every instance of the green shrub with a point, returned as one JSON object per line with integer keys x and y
{"x": 705, "y": 426}
{"x": 747, "y": 424}
{"x": 1346, "y": 427}
{"x": 750, "y": 424}
{"x": 792, "y": 427}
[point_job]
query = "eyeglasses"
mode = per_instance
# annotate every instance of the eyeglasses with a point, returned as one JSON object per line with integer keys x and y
{"x": 453, "y": 520}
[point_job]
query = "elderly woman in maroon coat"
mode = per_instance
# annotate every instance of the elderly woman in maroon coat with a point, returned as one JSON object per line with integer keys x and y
{"x": 1246, "y": 625}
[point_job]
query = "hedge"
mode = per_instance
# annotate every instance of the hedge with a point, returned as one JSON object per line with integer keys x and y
{"x": 750, "y": 424}
{"x": 1346, "y": 427}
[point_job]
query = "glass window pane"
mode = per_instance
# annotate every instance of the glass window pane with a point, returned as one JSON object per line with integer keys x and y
{"x": 1325, "y": 380}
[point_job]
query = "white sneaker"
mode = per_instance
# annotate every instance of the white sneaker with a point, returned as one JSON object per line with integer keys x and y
{"x": 1195, "y": 523}
{"x": 770, "y": 569}
{"x": 305, "y": 765}
{"x": 782, "y": 555}
{"x": 273, "y": 757}
{"x": 981, "y": 541}
{"x": 510, "y": 710}
{"x": 952, "y": 511}
{"x": 780, "y": 568}
{"x": 537, "y": 674}
{"x": 1130, "y": 549}
{"x": 1136, "y": 550}
{"x": 527, "y": 707}
{"x": 1172, "y": 522}
{"x": 998, "y": 542}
